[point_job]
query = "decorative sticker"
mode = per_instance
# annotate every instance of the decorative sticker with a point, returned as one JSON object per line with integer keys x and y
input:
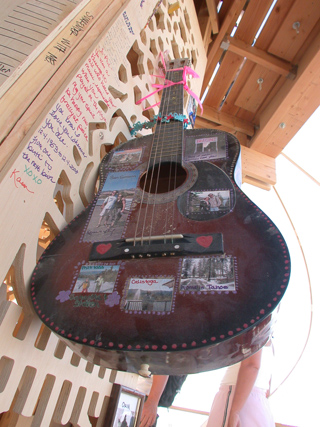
{"x": 208, "y": 274}
{"x": 110, "y": 213}
{"x": 209, "y": 204}
{"x": 149, "y": 294}
{"x": 99, "y": 279}
{"x": 213, "y": 147}
{"x": 192, "y": 111}
{"x": 125, "y": 158}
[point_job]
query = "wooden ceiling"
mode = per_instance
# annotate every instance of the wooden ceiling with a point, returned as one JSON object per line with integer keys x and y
{"x": 265, "y": 58}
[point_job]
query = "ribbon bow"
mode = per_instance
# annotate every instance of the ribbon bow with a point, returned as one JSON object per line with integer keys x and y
{"x": 186, "y": 71}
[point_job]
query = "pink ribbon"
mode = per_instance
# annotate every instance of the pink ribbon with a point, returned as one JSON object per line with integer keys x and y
{"x": 169, "y": 83}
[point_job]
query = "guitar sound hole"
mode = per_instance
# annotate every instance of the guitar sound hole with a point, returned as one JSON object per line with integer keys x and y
{"x": 163, "y": 178}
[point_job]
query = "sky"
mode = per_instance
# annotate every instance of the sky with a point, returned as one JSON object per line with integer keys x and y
{"x": 293, "y": 204}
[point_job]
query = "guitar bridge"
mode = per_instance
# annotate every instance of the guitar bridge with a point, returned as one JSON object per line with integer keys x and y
{"x": 158, "y": 246}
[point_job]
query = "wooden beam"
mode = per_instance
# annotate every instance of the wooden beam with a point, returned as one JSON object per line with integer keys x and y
{"x": 204, "y": 124}
{"x": 205, "y": 28}
{"x": 256, "y": 183}
{"x": 301, "y": 169}
{"x": 213, "y": 15}
{"x": 228, "y": 22}
{"x": 258, "y": 168}
{"x": 259, "y": 56}
{"x": 207, "y": 36}
{"x": 292, "y": 106}
{"x": 33, "y": 99}
{"x": 213, "y": 115}
{"x": 49, "y": 59}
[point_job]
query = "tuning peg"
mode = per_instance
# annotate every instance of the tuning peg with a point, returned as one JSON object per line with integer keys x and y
{"x": 144, "y": 370}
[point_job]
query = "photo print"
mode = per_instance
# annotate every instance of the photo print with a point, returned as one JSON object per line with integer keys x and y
{"x": 208, "y": 274}
{"x": 211, "y": 147}
{"x": 96, "y": 279}
{"x": 109, "y": 217}
{"x": 192, "y": 111}
{"x": 151, "y": 294}
{"x": 210, "y": 204}
{"x": 124, "y": 408}
{"x": 127, "y": 410}
{"x": 125, "y": 158}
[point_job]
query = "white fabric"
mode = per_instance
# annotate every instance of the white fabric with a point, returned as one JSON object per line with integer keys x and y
{"x": 255, "y": 412}
{"x": 264, "y": 375}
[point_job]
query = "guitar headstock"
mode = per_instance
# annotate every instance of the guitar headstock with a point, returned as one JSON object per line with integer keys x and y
{"x": 178, "y": 63}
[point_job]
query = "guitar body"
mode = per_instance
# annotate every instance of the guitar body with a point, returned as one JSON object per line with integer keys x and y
{"x": 184, "y": 280}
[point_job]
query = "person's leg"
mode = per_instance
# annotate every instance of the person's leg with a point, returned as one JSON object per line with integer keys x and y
{"x": 256, "y": 411}
{"x": 220, "y": 408}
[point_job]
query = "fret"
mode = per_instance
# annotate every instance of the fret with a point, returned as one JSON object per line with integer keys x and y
{"x": 168, "y": 142}
{"x": 172, "y": 155}
{"x": 167, "y": 129}
{"x": 174, "y": 147}
{"x": 168, "y": 136}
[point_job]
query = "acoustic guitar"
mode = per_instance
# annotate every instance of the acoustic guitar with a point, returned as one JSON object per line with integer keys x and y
{"x": 171, "y": 266}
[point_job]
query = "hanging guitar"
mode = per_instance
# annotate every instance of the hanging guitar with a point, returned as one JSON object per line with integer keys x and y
{"x": 171, "y": 265}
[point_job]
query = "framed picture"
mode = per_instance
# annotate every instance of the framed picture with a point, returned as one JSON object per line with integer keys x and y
{"x": 125, "y": 407}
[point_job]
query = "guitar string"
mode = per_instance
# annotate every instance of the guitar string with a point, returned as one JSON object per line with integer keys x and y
{"x": 172, "y": 127}
{"x": 160, "y": 148}
{"x": 150, "y": 172}
{"x": 148, "y": 177}
{"x": 168, "y": 128}
{"x": 164, "y": 141}
{"x": 172, "y": 134}
{"x": 143, "y": 193}
{"x": 178, "y": 136}
{"x": 163, "y": 133}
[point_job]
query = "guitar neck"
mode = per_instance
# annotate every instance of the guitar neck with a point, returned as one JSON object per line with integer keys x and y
{"x": 168, "y": 136}
{"x": 172, "y": 96}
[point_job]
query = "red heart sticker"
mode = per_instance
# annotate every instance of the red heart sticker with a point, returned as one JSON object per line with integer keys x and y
{"x": 102, "y": 248}
{"x": 204, "y": 241}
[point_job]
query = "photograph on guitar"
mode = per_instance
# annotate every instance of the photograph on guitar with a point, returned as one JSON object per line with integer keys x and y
{"x": 169, "y": 237}
{"x": 110, "y": 214}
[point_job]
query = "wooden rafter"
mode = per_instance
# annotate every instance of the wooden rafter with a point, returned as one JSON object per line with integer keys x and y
{"x": 257, "y": 168}
{"x": 205, "y": 26}
{"x": 234, "y": 123}
{"x": 262, "y": 92}
{"x": 213, "y": 16}
{"x": 259, "y": 56}
{"x": 292, "y": 106}
{"x": 228, "y": 23}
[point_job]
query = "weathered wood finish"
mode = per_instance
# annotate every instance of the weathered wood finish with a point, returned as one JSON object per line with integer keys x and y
{"x": 203, "y": 330}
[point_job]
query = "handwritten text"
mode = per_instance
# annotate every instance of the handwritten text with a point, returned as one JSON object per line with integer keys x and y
{"x": 18, "y": 181}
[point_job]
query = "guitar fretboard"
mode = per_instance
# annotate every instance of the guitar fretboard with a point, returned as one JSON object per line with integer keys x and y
{"x": 168, "y": 137}
{"x": 167, "y": 141}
